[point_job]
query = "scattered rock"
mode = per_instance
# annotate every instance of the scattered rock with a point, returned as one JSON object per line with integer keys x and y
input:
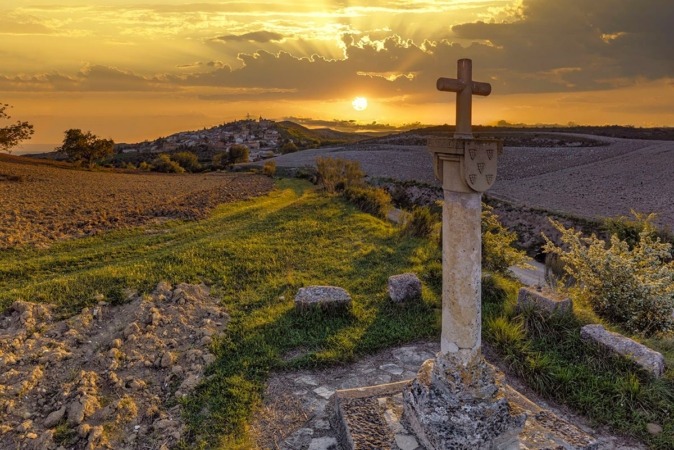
{"x": 55, "y": 417}
{"x": 322, "y": 296}
{"x": 545, "y": 301}
{"x": 649, "y": 360}
{"x": 404, "y": 287}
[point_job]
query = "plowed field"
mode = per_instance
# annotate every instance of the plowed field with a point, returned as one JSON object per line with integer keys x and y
{"x": 42, "y": 202}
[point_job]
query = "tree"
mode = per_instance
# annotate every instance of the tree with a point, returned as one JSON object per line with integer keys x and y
{"x": 11, "y": 135}
{"x": 85, "y": 147}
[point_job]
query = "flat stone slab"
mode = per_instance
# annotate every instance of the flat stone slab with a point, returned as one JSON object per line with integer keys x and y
{"x": 544, "y": 300}
{"x": 404, "y": 287}
{"x": 322, "y": 296}
{"x": 370, "y": 417}
{"x": 650, "y": 360}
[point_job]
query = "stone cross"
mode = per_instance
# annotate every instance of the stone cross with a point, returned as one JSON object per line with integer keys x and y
{"x": 465, "y": 88}
{"x": 456, "y": 400}
{"x": 466, "y": 167}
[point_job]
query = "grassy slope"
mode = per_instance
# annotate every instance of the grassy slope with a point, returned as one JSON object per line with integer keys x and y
{"x": 257, "y": 253}
{"x": 253, "y": 253}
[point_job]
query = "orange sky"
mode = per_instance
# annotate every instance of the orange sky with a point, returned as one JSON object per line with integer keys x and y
{"x": 139, "y": 69}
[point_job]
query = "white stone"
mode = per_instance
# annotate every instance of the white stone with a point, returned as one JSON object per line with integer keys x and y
{"x": 648, "y": 359}
{"x": 392, "y": 369}
{"x": 324, "y": 392}
{"x": 324, "y": 443}
{"x": 406, "y": 442}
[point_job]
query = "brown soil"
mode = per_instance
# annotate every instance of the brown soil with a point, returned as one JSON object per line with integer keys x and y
{"x": 41, "y": 201}
{"x": 108, "y": 378}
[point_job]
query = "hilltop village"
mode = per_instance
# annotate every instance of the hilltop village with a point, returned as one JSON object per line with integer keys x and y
{"x": 263, "y": 138}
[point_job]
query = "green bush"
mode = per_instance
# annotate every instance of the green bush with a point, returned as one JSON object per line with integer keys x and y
{"x": 498, "y": 251}
{"x": 144, "y": 166}
{"x": 187, "y": 161}
{"x": 269, "y": 168}
{"x": 336, "y": 174}
{"x": 421, "y": 222}
{"x": 375, "y": 201}
{"x": 163, "y": 163}
{"x": 632, "y": 287}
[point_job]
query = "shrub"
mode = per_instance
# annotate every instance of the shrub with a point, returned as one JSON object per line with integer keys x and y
{"x": 144, "y": 166}
{"x": 163, "y": 163}
{"x": 498, "y": 252}
{"x": 289, "y": 147}
{"x": 187, "y": 161}
{"x": 238, "y": 154}
{"x": 220, "y": 160}
{"x": 336, "y": 174}
{"x": 269, "y": 168}
{"x": 629, "y": 286}
{"x": 421, "y": 222}
{"x": 375, "y": 201}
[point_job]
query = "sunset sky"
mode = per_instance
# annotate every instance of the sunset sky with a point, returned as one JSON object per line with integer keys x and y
{"x": 139, "y": 69}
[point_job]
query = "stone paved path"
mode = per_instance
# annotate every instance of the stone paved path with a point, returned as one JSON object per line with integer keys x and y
{"x": 311, "y": 391}
{"x": 298, "y": 411}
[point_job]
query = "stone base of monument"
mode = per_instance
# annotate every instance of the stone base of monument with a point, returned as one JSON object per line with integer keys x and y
{"x": 414, "y": 415}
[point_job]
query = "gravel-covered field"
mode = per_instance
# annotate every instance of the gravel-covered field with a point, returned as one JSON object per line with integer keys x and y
{"x": 590, "y": 182}
{"x": 42, "y": 202}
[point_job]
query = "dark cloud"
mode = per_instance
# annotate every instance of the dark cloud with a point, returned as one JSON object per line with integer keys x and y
{"x": 255, "y": 36}
{"x": 577, "y": 44}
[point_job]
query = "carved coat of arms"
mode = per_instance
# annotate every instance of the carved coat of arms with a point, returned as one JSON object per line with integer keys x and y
{"x": 479, "y": 166}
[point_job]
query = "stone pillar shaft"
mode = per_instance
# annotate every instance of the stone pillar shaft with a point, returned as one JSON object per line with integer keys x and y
{"x": 461, "y": 275}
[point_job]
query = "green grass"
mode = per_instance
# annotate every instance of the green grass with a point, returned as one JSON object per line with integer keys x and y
{"x": 549, "y": 356}
{"x": 256, "y": 255}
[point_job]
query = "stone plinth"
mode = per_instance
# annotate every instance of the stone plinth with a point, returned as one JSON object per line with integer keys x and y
{"x": 322, "y": 296}
{"x": 372, "y": 417}
{"x": 649, "y": 360}
{"x": 404, "y": 287}
{"x": 450, "y": 405}
{"x": 546, "y": 301}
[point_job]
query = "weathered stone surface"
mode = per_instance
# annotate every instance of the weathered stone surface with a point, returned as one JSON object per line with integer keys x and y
{"x": 546, "y": 301}
{"x": 323, "y": 296}
{"x": 648, "y": 359}
{"x": 543, "y": 430}
{"x": 449, "y": 406}
{"x": 404, "y": 287}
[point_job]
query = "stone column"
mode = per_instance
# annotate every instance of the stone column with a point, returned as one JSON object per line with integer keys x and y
{"x": 456, "y": 401}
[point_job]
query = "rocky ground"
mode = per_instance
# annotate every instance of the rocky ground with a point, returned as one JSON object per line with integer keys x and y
{"x": 41, "y": 203}
{"x": 107, "y": 378}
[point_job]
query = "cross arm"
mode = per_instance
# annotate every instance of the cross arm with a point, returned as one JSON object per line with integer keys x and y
{"x": 454, "y": 85}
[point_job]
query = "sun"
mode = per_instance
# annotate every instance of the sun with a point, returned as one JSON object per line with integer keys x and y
{"x": 359, "y": 103}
